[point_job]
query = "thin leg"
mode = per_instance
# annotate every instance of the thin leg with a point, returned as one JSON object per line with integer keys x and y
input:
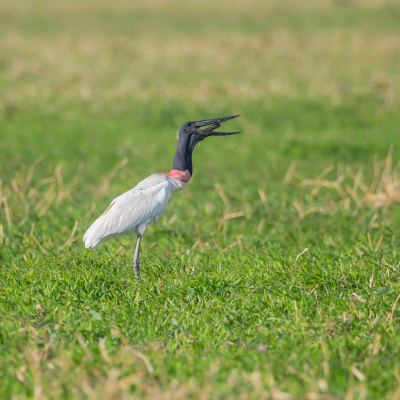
{"x": 135, "y": 262}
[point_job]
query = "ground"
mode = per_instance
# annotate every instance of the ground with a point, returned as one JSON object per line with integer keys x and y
{"x": 274, "y": 273}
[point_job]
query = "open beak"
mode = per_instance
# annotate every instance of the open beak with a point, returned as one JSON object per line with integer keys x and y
{"x": 214, "y": 124}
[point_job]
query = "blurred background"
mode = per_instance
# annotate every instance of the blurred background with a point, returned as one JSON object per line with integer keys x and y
{"x": 98, "y": 89}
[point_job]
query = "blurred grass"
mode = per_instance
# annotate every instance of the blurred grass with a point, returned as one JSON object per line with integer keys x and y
{"x": 91, "y": 96}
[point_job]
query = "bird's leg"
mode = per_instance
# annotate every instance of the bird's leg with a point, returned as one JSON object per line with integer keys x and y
{"x": 135, "y": 262}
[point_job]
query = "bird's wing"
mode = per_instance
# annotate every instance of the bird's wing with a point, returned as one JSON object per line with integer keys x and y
{"x": 139, "y": 206}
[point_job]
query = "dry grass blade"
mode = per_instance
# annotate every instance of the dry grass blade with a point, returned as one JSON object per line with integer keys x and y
{"x": 40, "y": 246}
{"x": 304, "y": 213}
{"x": 106, "y": 182}
{"x": 223, "y": 197}
{"x": 300, "y": 254}
{"x": 383, "y": 191}
{"x": 71, "y": 239}
{"x": 360, "y": 376}
{"x": 393, "y": 309}
{"x": 290, "y": 172}
{"x": 7, "y": 211}
{"x": 234, "y": 215}
{"x": 386, "y": 191}
{"x": 146, "y": 361}
{"x": 264, "y": 200}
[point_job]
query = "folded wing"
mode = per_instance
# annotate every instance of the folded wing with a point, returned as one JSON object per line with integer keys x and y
{"x": 131, "y": 212}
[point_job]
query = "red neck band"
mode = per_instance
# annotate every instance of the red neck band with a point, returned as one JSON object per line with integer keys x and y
{"x": 183, "y": 176}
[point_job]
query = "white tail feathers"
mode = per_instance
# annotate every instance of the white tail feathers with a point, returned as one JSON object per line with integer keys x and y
{"x": 99, "y": 233}
{"x": 91, "y": 237}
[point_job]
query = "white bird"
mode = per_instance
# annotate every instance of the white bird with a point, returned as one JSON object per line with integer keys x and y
{"x": 131, "y": 212}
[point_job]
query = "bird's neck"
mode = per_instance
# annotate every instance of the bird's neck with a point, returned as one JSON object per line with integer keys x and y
{"x": 183, "y": 176}
{"x": 182, "y": 168}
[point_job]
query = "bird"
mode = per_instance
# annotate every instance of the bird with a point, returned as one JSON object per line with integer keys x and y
{"x": 132, "y": 211}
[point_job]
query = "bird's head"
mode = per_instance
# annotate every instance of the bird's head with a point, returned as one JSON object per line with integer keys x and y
{"x": 192, "y": 130}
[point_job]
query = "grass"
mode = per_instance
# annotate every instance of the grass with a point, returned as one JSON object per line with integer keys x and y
{"x": 274, "y": 274}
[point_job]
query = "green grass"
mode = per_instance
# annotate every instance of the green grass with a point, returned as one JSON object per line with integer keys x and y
{"x": 274, "y": 273}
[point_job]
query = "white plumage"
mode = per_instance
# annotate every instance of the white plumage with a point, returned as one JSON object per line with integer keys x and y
{"x": 131, "y": 212}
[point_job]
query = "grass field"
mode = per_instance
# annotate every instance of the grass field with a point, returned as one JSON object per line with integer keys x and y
{"x": 274, "y": 274}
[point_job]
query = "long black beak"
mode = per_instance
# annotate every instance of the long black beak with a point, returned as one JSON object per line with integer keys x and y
{"x": 214, "y": 124}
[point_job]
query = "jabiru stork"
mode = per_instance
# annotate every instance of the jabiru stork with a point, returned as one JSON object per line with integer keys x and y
{"x": 131, "y": 212}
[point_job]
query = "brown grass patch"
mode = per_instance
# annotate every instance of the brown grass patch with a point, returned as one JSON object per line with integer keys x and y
{"x": 353, "y": 188}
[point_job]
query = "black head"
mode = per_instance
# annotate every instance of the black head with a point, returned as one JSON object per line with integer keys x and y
{"x": 191, "y": 129}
